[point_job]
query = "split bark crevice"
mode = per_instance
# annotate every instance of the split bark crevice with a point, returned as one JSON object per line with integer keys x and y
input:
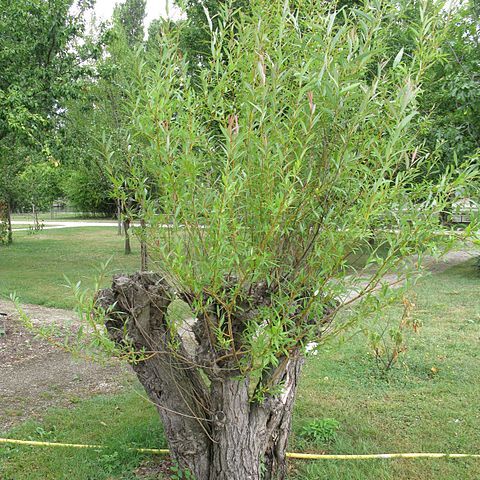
{"x": 213, "y": 427}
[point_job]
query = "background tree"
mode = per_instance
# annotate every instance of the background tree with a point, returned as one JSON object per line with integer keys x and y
{"x": 273, "y": 165}
{"x": 38, "y": 69}
{"x": 86, "y": 184}
{"x": 130, "y": 16}
{"x": 38, "y": 187}
{"x": 96, "y": 134}
{"x": 118, "y": 73}
{"x": 451, "y": 100}
{"x": 204, "y": 18}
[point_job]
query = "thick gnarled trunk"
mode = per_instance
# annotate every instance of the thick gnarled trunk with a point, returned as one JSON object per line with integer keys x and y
{"x": 250, "y": 439}
{"x": 212, "y": 426}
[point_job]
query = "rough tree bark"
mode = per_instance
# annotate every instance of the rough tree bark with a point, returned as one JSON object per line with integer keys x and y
{"x": 213, "y": 427}
{"x": 126, "y": 230}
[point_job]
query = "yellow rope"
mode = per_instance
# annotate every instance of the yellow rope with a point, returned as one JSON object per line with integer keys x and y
{"x": 46, "y": 444}
{"x": 312, "y": 456}
{"x": 76, "y": 445}
{"x": 304, "y": 456}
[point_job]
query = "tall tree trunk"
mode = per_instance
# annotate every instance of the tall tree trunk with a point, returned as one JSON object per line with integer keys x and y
{"x": 36, "y": 223}
{"x": 214, "y": 429}
{"x": 119, "y": 218}
{"x": 143, "y": 248}
{"x": 9, "y": 224}
{"x": 126, "y": 228}
{"x": 5, "y": 223}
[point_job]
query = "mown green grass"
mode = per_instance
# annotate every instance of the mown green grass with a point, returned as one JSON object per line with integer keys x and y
{"x": 115, "y": 421}
{"x": 35, "y": 266}
{"x": 409, "y": 409}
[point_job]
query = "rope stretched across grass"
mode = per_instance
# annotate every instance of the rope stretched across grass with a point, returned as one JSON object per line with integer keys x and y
{"x": 300, "y": 456}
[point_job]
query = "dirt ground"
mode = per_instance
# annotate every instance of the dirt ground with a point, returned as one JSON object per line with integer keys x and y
{"x": 35, "y": 375}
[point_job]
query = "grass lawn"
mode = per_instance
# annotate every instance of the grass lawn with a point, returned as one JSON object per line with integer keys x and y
{"x": 114, "y": 421}
{"x": 427, "y": 403}
{"x": 35, "y": 265}
{"x": 412, "y": 408}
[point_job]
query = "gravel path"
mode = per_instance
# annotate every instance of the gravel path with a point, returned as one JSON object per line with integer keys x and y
{"x": 54, "y": 224}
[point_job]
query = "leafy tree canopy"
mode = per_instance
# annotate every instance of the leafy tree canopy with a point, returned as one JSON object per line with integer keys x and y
{"x": 40, "y": 65}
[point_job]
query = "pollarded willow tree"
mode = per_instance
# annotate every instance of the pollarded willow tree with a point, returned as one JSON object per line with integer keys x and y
{"x": 286, "y": 155}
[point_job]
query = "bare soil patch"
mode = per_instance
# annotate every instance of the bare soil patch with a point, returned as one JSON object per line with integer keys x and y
{"x": 35, "y": 375}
